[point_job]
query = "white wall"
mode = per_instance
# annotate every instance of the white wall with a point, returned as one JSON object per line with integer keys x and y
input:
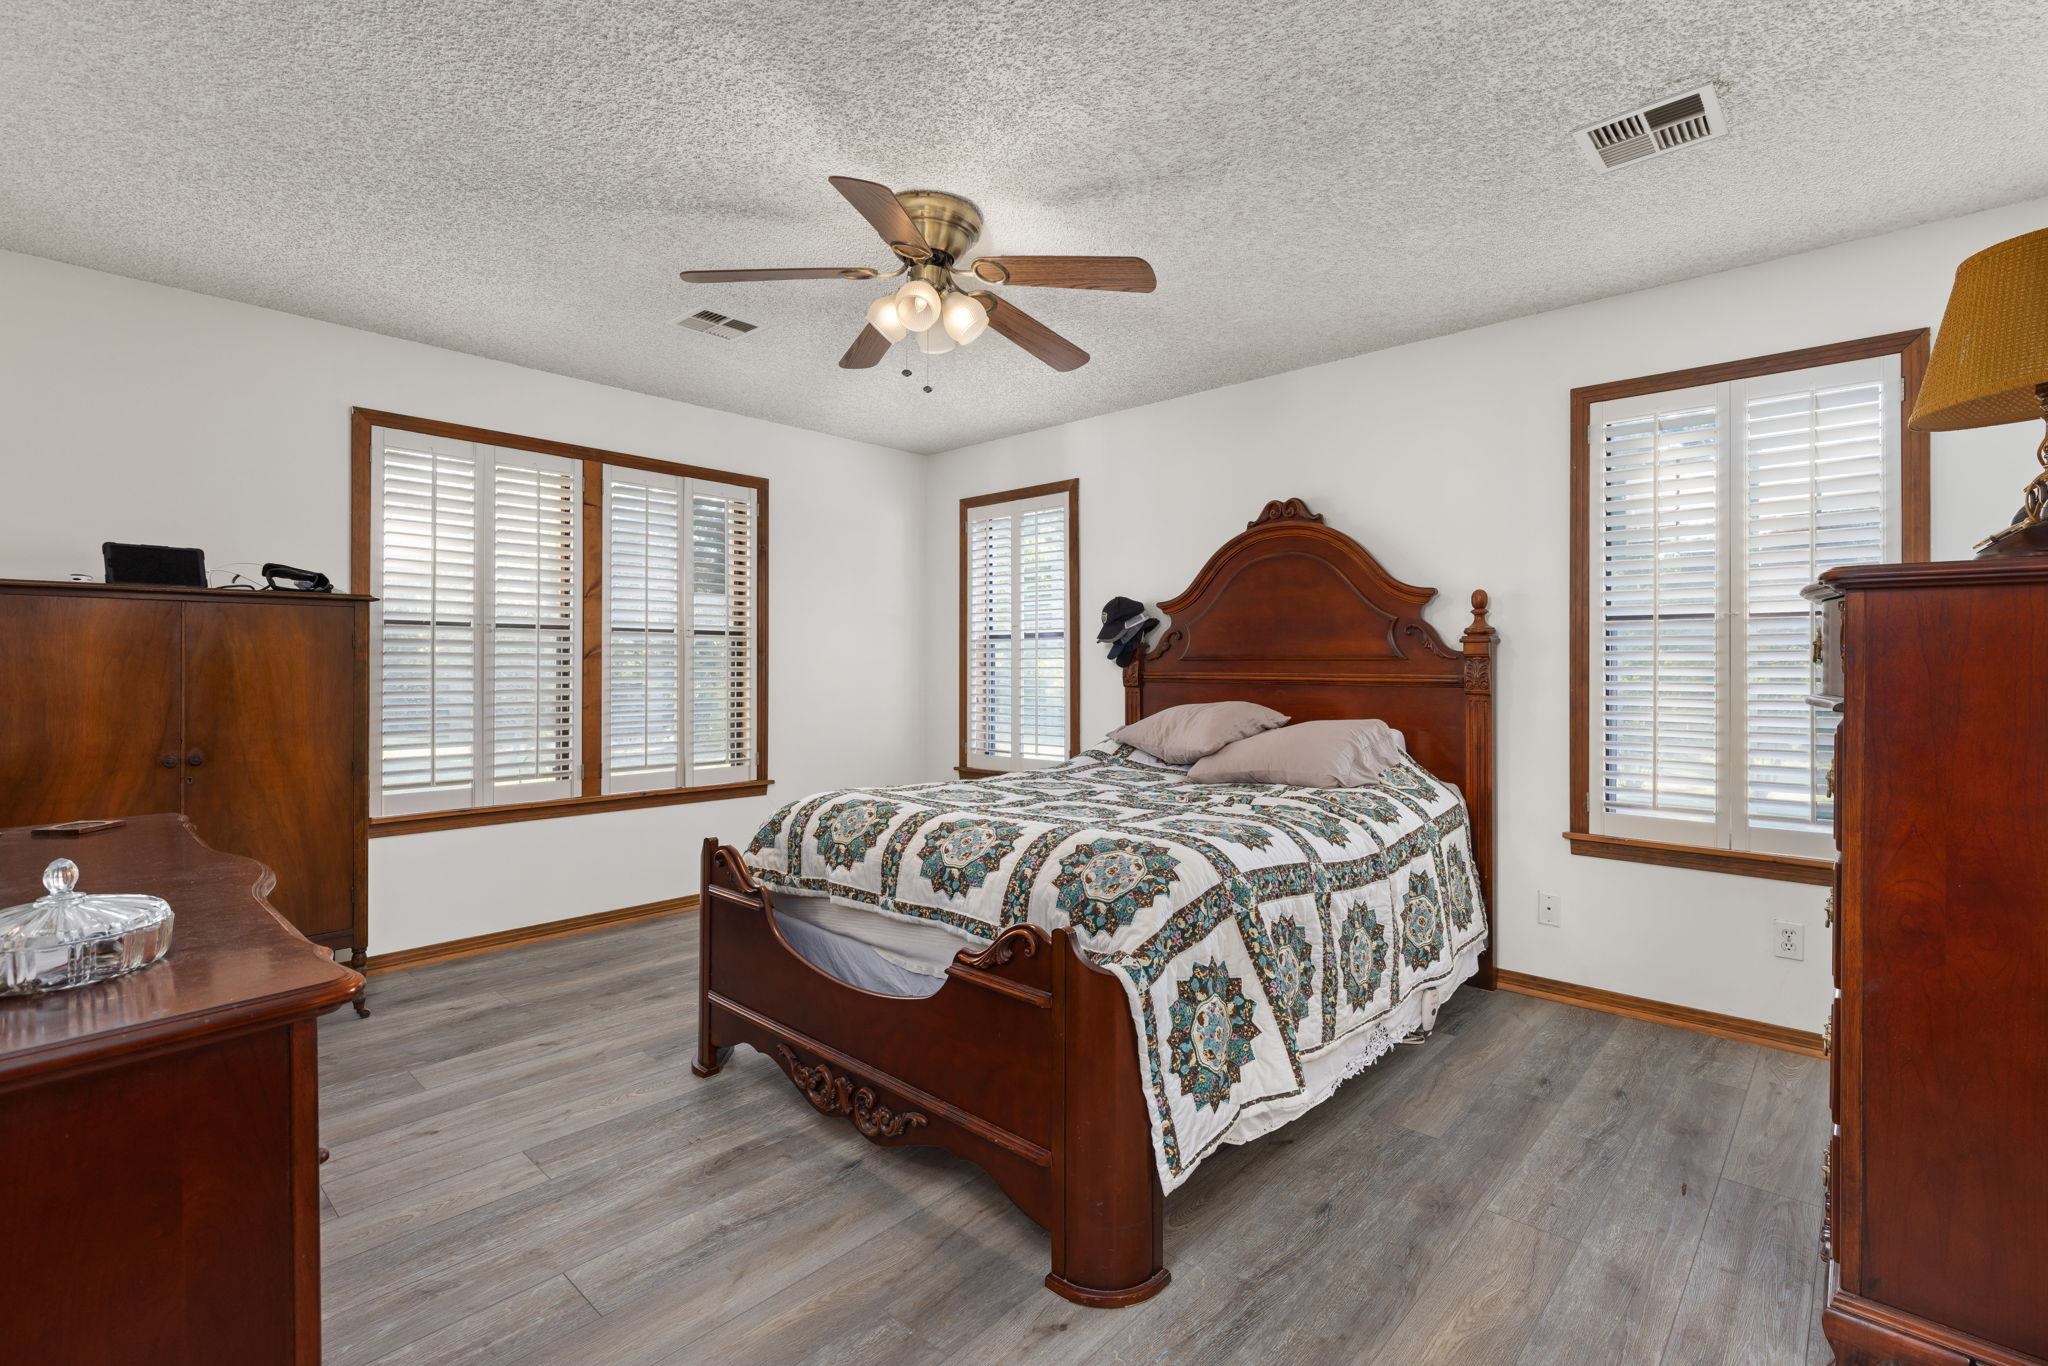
{"x": 136, "y": 412}
{"x": 139, "y": 413}
{"x": 1448, "y": 459}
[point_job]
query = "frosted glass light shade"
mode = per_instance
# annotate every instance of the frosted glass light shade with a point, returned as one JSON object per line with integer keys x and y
{"x": 882, "y": 317}
{"x": 934, "y": 341}
{"x": 965, "y": 318}
{"x": 917, "y": 305}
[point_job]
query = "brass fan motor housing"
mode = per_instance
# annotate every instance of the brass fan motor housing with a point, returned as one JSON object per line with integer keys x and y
{"x": 950, "y": 224}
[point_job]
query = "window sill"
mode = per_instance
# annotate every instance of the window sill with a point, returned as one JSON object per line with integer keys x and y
{"x": 1777, "y": 867}
{"x": 420, "y": 823}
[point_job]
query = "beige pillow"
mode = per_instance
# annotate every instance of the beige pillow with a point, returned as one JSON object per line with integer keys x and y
{"x": 1307, "y": 754}
{"x": 1183, "y": 734}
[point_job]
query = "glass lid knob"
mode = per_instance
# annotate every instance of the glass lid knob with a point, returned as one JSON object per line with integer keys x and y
{"x": 61, "y": 877}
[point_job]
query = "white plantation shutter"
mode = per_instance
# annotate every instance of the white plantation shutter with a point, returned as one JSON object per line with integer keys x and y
{"x": 1713, "y": 507}
{"x": 991, "y": 624}
{"x": 721, "y": 702}
{"x": 1019, "y": 637}
{"x": 681, "y": 599}
{"x": 1821, "y": 464}
{"x": 534, "y": 664}
{"x": 1658, "y": 586}
{"x": 424, "y": 575}
{"x": 474, "y": 565}
{"x": 643, "y": 649}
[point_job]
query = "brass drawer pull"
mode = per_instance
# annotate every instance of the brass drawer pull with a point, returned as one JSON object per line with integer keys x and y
{"x": 1820, "y": 646}
{"x": 1831, "y": 780}
{"x": 1827, "y": 912}
{"x": 1827, "y": 1044}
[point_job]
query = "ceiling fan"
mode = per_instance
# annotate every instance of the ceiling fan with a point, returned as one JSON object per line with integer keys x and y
{"x": 930, "y": 230}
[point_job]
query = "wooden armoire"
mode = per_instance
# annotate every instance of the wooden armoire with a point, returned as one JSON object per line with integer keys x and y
{"x": 1937, "y": 1170}
{"x": 246, "y": 712}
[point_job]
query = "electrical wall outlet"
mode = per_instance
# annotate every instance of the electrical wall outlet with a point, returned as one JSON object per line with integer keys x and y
{"x": 1547, "y": 910}
{"x": 1790, "y": 941}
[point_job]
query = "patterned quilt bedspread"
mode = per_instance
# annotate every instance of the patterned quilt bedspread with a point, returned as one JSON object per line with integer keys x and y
{"x": 1273, "y": 941}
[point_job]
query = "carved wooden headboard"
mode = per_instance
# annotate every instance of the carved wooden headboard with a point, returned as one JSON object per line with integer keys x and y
{"x": 1299, "y": 617}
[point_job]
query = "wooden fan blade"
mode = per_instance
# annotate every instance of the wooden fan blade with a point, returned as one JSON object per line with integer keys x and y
{"x": 1031, "y": 334}
{"x": 1129, "y": 273}
{"x": 870, "y": 346}
{"x": 719, "y": 277}
{"x": 877, "y": 204}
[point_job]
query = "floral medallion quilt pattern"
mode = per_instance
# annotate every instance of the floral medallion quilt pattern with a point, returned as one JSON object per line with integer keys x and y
{"x": 1271, "y": 940}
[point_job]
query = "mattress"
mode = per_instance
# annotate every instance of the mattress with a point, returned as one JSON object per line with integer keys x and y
{"x": 852, "y": 960}
{"x": 910, "y": 946}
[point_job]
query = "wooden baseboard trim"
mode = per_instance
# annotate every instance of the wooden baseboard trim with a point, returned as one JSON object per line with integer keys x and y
{"x": 525, "y": 934}
{"x": 1660, "y": 1012}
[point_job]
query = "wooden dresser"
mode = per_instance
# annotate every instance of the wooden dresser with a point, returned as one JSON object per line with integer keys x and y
{"x": 160, "y": 1131}
{"x": 246, "y": 712}
{"x": 1937, "y": 1174}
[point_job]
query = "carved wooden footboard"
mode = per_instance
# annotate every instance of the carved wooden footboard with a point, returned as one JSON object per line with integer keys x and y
{"x": 1025, "y": 1063}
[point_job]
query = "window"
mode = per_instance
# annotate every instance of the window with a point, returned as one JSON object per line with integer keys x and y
{"x": 679, "y": 631}
{"x": 1704, "y": 503}
{"x": 557, "y": 628}
{"x": 1019, "y": 595}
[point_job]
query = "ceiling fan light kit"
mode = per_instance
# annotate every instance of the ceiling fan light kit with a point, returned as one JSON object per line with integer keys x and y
{"x": 929, "y": 231}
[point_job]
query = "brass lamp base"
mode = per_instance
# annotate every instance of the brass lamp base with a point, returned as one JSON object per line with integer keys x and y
{"x": 2021, "y": 538}
{"x": 2028, "y": 534}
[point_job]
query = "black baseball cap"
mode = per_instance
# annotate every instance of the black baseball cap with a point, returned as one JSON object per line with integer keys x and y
{"x": 1115, "y": 613}
{"x": 1130, "y": 641}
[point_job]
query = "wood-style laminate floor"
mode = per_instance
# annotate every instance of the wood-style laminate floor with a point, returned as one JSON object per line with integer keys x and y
{"x": 524, "y": 1170}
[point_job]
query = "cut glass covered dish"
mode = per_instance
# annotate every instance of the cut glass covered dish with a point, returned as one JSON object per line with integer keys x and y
{"x": 68, "y": 938}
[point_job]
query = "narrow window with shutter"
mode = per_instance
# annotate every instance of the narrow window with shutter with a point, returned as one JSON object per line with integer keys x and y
{"x": 681, "y": 600}
{"x": 1017, "y": 637}
{"x": 1712, "y": 508}
{"x": 534, "y": 662}
{"x": 424, "y": 574}
{"x": 488, "y": 587}
{"x": 475, "y": 569}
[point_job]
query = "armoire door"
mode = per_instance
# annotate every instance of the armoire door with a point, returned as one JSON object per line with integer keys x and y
{"x": 269, "y": 740}
{"x": 90, "y": 722}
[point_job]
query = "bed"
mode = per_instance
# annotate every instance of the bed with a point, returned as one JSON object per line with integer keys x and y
{"x": 1084, "y": 979}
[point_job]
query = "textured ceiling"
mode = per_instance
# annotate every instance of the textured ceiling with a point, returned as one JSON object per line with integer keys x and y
{"x": 1311, "y": 180}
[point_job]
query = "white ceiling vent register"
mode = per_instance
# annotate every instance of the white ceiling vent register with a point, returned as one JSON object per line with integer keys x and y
{"x": 715, "y": 325}
{"x": 1654, "y": 129}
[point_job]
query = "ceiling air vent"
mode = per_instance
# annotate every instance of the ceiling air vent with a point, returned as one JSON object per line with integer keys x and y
{"x": 715, "y": 325}
{"x": 1653, "y": 130}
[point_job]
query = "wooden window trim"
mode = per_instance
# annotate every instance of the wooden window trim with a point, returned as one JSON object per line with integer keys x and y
{"x": 592, "y": 798}
{"x": 1072, "y": 489}
{"x": 1914, "y": 537}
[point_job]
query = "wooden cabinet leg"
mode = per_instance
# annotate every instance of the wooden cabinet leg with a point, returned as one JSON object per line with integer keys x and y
{"x": 359, "y": 961}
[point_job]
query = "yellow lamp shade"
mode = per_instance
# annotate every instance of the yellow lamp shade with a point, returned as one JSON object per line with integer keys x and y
{"x": 1992, "y": 349}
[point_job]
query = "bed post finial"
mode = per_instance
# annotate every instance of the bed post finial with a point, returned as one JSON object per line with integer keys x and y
{"x": 1478, "y": 640}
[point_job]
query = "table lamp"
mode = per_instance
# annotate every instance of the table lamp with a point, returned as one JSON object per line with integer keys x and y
{"x": 1990, "y": 366}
